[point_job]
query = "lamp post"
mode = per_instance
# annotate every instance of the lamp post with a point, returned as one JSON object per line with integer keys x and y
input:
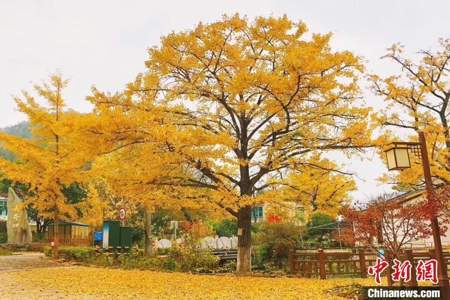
{"x": 397, "y": 156}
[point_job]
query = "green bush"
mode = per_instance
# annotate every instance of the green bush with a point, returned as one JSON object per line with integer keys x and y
{"x": 132, "y": 261}
{"x": 47, "y": 251}
{"x": 72, "y": 253}
{"x": 262, "y": 254}
{"x": 187, "y": 258}
{"x": 190, "y": 257}
{"x": 102, "y": 259}
{"x": 137, "y": 236}
{"x": 227, "y": 267}
{"x": 76, "y": 253}
{"x": 319, "y": 230}
{"x": 226, "y": 228}
{"x": 169, "y": 264}
{"x": 161, "y": 251}
{"x": 273, "y": 242}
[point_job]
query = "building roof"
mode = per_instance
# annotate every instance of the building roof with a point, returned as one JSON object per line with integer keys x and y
{"x": 71, "y": 223}
{"x": 405, "y": 197}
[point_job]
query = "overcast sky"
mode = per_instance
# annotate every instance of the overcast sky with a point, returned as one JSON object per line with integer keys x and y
{"x": 103, "y": 43}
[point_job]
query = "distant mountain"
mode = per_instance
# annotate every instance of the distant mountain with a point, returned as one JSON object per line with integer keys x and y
{"x": 21, "y": 129}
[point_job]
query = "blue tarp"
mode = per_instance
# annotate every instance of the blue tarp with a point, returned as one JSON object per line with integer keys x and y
{"x": 98, "y": 236}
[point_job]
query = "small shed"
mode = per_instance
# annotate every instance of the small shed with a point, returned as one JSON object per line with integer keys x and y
{"x": 71, "y": 233}
{"x": 116, "y": 236}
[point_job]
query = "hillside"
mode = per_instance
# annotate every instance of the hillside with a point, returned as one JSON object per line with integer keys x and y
{"x": 21, "y": 129}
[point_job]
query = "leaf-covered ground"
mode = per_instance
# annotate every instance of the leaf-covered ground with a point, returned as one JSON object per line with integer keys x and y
{"x": 100, "y": 283}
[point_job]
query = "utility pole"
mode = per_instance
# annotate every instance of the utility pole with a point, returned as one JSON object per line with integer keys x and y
{"x": 443, "y": 276}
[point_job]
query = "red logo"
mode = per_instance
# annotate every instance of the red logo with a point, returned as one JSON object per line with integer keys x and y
{"x": 402, "y": 270}
{"x": 377, "y": 269}
{"x": 425, "y": 270}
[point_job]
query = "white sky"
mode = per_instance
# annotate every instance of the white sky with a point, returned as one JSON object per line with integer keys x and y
{"x": 104, "y": 43}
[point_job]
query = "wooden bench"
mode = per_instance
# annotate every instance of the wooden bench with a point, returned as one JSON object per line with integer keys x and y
{"x": 225, "y": 254}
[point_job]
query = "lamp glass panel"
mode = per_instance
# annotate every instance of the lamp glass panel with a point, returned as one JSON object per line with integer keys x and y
{"x": 402, "y": 158}
{"x": 390, "y": 155}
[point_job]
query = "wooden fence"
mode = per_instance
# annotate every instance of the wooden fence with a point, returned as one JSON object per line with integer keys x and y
{"x": 352, "y": 263}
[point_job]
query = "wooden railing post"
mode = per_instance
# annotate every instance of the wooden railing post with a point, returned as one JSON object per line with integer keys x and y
{"x": 410, "y": 257}
{"x": 291, "y": 261}
{"x": 322, "y": 259}
{"x": 362, "y": 263}
{"x": 308, "y": 269}
{"x": 355, "y": 269}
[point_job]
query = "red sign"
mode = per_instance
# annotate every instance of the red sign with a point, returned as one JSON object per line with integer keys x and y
{"x": 122, "y": 214}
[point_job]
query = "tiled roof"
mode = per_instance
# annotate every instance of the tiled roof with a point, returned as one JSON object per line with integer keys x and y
{"x": 411, "y": 195}
{"x": 407, "y": 196}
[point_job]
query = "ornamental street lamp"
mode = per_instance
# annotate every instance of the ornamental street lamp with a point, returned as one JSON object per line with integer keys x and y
{"x": 397, "y": 156}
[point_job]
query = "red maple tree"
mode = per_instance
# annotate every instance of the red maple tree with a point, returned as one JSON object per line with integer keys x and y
{"x": 391, "y": 224}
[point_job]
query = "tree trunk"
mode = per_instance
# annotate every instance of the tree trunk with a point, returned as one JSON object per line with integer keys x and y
{"x": 244, "y": 259}
{"x": 148, "y": 249}
{"x": 41, "y": 225}
{"x": 44, "y": 228}
{"x": 38, "y": 226}
{"x": 55, "y": 250}
{"x": 244, "y": 241}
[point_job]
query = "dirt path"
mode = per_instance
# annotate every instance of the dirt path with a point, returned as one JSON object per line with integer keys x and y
{"x": 25, "y": 261}
{"x": 12, "y": 289}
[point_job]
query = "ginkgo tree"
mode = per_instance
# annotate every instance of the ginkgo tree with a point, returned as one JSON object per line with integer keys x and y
{"x": 133, "y": 175}
{"x": 418, "y": 98}
{"x": 240, "y": 106}
{"x": 51, "y": 160}
{"x": 319, "y": 186}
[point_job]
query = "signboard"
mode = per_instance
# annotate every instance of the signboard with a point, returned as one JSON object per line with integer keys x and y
{"x": 122, "y": 214}
{"x": 174, "y": 225}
